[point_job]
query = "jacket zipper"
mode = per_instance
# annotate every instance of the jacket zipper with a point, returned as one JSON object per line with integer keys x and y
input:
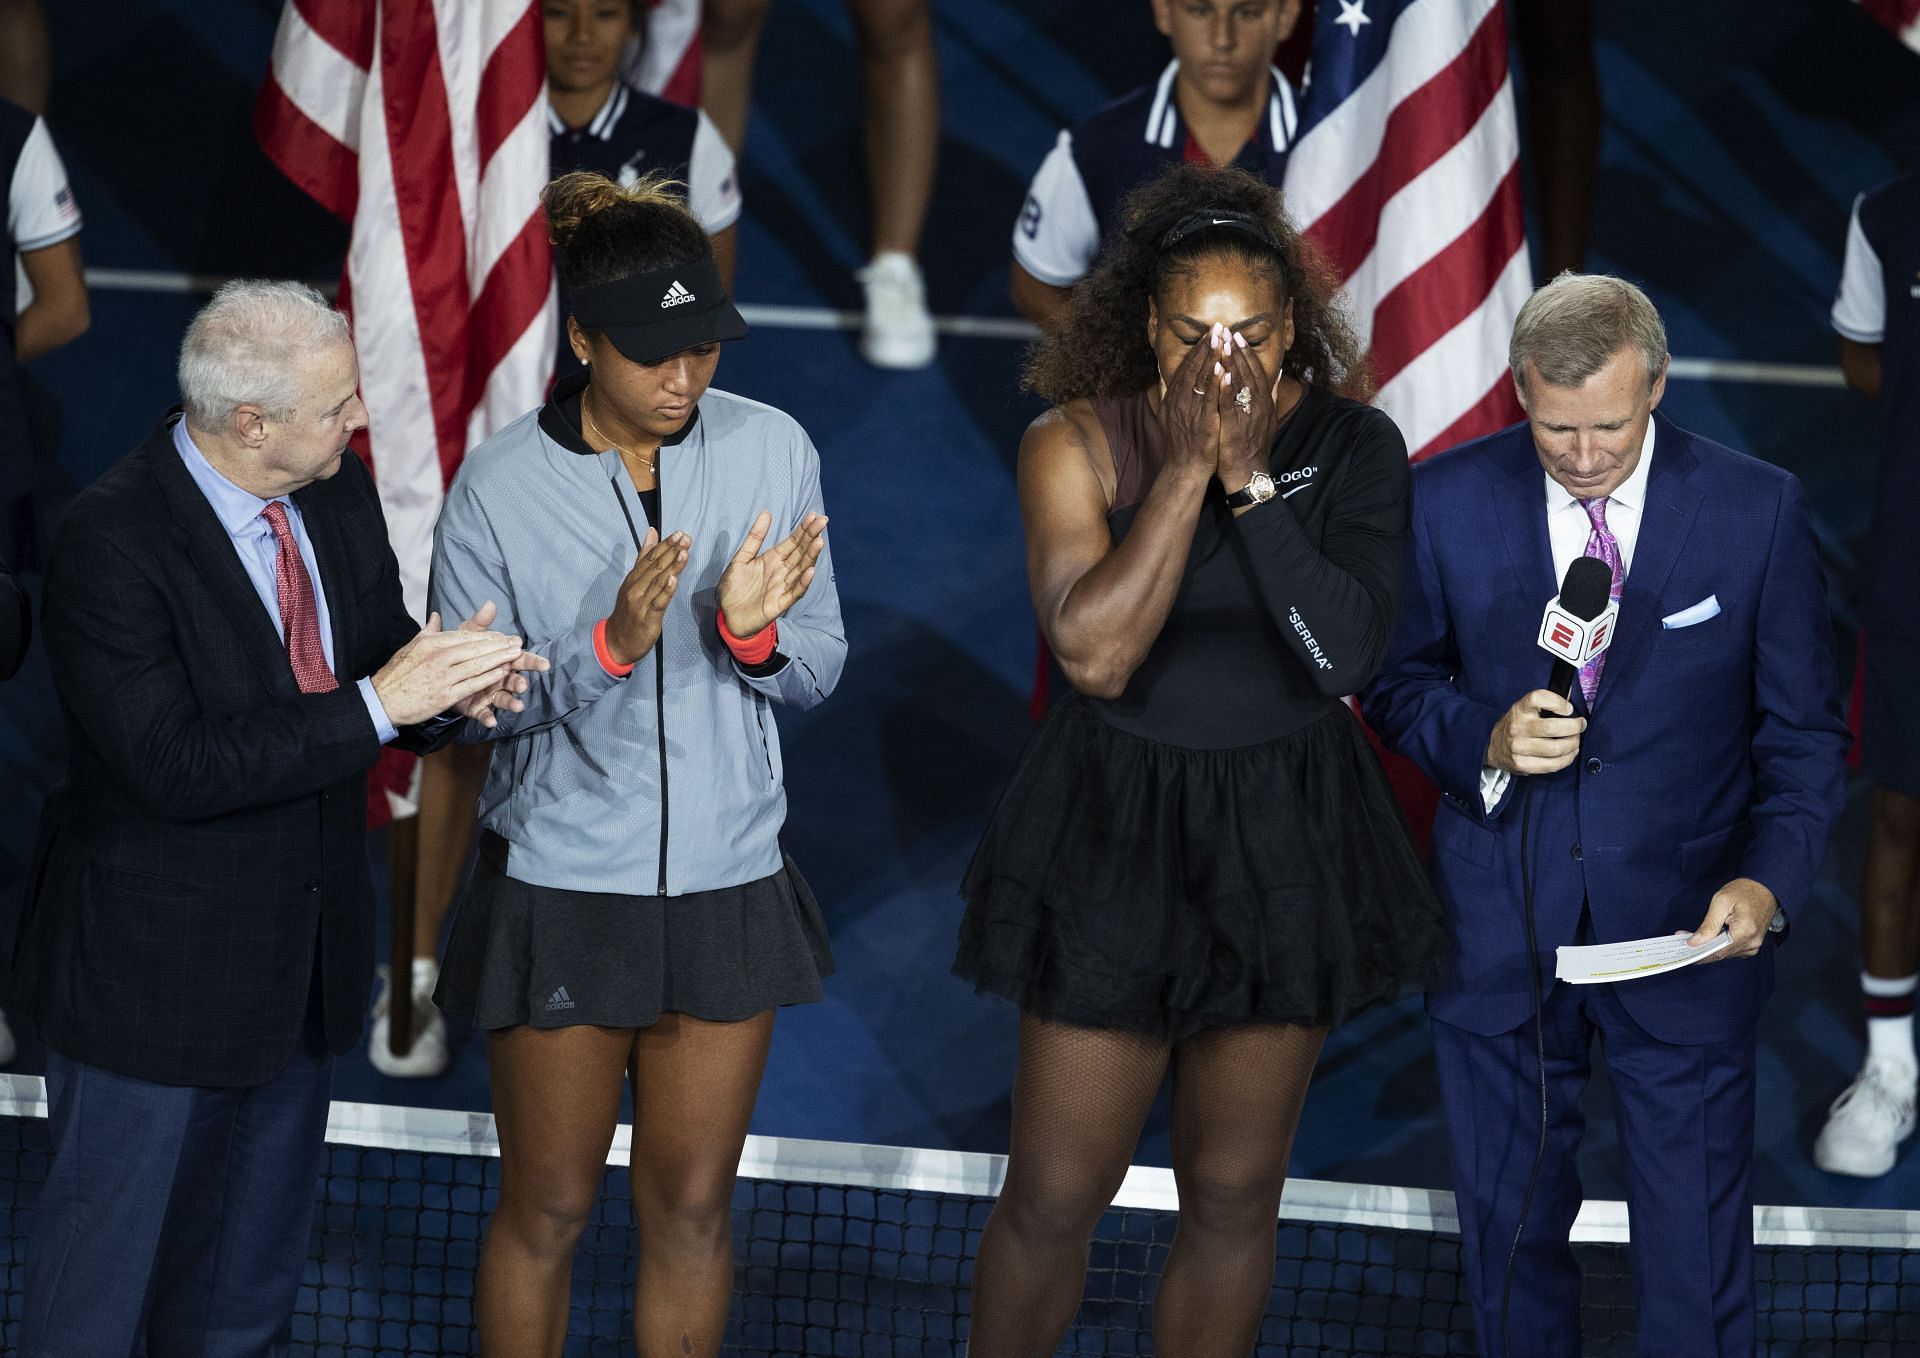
{"x": 659, "y": 683}
{"x": 660, "y": 712}
{"x": 660, "y": 701}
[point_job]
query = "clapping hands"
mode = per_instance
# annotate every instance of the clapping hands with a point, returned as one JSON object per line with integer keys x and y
{"x": 759, "y": 586}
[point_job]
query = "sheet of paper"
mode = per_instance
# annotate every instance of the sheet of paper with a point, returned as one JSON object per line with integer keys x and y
{"x": 1631, "y": 960}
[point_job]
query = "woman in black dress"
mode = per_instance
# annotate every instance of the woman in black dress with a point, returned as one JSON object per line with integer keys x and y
{"x": 1198, "y": 865}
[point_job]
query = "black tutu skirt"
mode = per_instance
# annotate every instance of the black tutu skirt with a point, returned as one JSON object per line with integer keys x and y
{"x": 1128, "y": 884}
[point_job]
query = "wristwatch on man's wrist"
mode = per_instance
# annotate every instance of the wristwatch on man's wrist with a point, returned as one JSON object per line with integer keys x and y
{"x": 1255, "y": 492}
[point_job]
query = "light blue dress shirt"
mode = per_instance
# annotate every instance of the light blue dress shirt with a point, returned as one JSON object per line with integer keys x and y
{"x": 239, "y": 512}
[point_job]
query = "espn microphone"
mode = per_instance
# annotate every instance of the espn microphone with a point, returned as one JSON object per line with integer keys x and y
{"x": 1578, "y": 622}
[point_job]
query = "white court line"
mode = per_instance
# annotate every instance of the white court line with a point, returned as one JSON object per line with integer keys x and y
{"x": 442, "y": 1131}
{"x": 987, "y": 327}
{"x": 824, "y": 318}
{"x": 1764, "y": 374}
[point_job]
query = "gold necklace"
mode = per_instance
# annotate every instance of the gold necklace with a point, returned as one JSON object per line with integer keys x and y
{"x": 609, "y": 442}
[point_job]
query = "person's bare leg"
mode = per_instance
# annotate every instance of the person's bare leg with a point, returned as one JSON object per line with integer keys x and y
{"x": 1563, "y": 123}
{"x": 694, "y": 1084}
{"x": 1890, "y": 887}
{"x": 1237, "y": 1095}
{"x": 729, "y": 37}
{"x": 1866, "y": 1125}
{"x": 1079, "y": 1099}
{"x": 403, "y": 861}
{"x": 556, "y": 1099}
{"x": 902, "y": 116}
{"x": 26, "y": 57}
{"x": 450, "y": 783}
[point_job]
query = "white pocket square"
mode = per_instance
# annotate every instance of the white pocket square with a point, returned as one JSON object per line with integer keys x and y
{"x": 1708, "y": 607}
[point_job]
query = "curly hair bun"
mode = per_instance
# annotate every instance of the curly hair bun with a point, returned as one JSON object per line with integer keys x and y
{"x": 572, "y": 199}
{"x": 605, "y": 232}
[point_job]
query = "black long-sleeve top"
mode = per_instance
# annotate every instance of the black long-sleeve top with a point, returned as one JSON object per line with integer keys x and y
{"x": 1283, "y": 609}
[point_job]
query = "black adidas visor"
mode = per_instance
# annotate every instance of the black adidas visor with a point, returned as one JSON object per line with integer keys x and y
{"x": 652, "y": 316}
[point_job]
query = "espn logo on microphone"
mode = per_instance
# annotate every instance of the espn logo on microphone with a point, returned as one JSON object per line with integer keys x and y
{"x": 1576, "y": 640}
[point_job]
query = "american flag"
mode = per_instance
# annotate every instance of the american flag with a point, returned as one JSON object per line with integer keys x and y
{"x": 665, "y": 60}
{"x": 1899, "y": 17}
{"x": 423, "y": 122}
{"x": 1406, "y": 175}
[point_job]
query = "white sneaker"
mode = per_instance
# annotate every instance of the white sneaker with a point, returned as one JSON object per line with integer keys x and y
{"x": 899, "y": 332}
{"x": 1867, "y": 1123}
{"x": 428, "y": 1057}
{"x": 8, "y": 1047}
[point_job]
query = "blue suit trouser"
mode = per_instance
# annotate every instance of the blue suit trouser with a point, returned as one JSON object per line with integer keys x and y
{"x": 1685, "y": 1116}
{"x": 173, "y": 1215}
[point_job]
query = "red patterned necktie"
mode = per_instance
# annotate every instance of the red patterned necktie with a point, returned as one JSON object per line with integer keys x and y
{"x": 298, "y": 614}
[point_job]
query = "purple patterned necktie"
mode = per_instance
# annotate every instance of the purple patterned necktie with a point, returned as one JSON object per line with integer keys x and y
{"x": 1600, "y": 544}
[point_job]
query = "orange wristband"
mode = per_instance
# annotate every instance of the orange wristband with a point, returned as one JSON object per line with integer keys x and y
{"x": 752, "y": 650}
{"x": 604, "y": 656}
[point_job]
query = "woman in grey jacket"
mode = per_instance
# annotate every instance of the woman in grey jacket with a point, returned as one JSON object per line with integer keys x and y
{"x": 632, "y": 916}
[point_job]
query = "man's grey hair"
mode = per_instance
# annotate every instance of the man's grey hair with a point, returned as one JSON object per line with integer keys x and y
{"x": 1570, "y": 328}
{"x": 250, "y": 346}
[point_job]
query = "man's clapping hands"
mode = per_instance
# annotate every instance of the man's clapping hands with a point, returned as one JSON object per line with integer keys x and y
{"x": 470, "y": 670}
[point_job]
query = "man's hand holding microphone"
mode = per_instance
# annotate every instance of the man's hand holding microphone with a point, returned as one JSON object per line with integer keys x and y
{"x": 1538, "y": 734}
{"x": 1541, "y": 734}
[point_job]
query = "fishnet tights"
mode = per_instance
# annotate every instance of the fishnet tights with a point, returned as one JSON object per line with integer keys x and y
{"x": 1079, "y": 1101}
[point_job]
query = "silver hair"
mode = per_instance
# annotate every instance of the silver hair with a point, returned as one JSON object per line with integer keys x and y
{"x": 1570, "y": 328}
{"x": 249, "y": 345}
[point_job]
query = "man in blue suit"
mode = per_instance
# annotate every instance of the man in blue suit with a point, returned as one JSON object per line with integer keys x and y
{"x": 1687, "y": 786}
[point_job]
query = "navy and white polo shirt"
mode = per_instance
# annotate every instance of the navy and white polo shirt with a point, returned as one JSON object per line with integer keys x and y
{"x": 1075, "y": 198}
{"x": 635, "y": 133}
{"x": 41, "y": 213}
{"x": 1879, "y": 303}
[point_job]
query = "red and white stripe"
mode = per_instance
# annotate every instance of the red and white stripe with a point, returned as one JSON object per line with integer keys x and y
{"x": 423, "y": 122}
{"x": 666, "y": 58}
{"x": 1411, "y": 188}
{"x": 1899, "y": 17}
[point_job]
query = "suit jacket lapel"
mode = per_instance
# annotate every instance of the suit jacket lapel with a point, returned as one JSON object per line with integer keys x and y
{"x": 330, "y": 552}
{"x": 1521, "y": 509}
{"x": 1521, "y": 486}
{"x": 1673, "y": 502}
{"x": 218, "y": 564}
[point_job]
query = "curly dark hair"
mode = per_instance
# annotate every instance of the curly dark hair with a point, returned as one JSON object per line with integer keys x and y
{"x": 1097, "y": 346}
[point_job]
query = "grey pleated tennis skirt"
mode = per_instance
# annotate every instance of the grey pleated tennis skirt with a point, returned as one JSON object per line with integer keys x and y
{"x": 524, "y": 954}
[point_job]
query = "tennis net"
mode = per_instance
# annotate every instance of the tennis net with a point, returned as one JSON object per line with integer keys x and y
{"x": 858, "y": 1250}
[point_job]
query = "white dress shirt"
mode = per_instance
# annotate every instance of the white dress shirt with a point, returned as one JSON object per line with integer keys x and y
{"x": 1568, "y": 529}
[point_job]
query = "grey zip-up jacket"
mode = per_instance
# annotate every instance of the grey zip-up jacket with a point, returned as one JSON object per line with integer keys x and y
{"x": 667, "y": 781}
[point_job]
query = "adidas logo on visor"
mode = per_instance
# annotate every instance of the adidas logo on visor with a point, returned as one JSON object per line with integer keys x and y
{"x": 676, "y": 295}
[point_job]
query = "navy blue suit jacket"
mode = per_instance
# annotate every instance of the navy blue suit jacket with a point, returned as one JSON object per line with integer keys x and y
{"x": 1712, "y": 752}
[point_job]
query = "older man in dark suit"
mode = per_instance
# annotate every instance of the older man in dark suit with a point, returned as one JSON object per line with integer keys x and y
{"x": 226, "y": 632}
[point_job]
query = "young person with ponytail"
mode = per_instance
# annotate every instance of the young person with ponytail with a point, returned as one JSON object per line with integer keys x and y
{"x": 632, "y": 918}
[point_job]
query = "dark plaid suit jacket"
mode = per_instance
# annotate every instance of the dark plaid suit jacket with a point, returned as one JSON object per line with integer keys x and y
{"x": 16, "y": 623}
{"x": 206, "y": 848}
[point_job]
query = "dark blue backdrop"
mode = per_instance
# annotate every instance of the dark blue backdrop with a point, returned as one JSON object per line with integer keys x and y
{"x": 1736, "y": 135}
